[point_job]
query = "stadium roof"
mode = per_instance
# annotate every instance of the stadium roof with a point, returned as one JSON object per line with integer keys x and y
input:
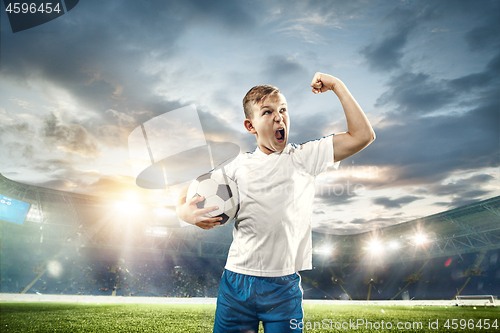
{"x": 471, "y": 228}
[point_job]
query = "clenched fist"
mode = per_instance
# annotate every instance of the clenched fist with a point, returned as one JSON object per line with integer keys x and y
{"x": 323, "y": 82}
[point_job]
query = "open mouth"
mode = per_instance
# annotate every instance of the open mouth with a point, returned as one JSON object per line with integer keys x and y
{"x": 280, "y": 134}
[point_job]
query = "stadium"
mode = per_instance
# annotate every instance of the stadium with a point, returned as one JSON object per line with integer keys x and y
{"x": 73, "y": 259}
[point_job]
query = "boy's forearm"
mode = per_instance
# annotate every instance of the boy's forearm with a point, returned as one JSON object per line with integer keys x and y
{"x": 358, "y": 125}
{"x": 359, "y": 131}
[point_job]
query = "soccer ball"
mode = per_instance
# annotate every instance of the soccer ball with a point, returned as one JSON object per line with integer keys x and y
{"x": 219, "y": 190}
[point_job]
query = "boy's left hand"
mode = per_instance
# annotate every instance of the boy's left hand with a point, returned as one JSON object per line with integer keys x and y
{"x": 323, "y": 82}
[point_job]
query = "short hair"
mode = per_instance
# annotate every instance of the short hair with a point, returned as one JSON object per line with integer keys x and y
{"x": 255, "y": 95}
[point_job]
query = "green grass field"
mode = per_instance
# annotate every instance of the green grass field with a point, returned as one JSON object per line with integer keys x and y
{"x": 101, "y": 318}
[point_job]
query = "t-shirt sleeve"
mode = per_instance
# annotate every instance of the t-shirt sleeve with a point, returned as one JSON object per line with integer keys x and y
{"x": 317, "y": 155}
{"x": 229, "y": 166}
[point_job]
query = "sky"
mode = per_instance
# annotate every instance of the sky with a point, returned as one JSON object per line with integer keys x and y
{"x": 426, "y": 73}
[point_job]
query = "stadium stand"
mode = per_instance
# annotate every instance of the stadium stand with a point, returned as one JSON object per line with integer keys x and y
{"x": 74, "y": 244}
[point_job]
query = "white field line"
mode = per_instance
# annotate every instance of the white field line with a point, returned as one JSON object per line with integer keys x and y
{"x": 5, "y": 297}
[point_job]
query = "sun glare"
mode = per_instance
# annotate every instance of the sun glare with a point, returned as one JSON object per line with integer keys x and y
{"x": 128, "y": 207}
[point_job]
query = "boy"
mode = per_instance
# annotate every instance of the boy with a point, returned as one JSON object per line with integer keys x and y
{"x": 272, "y": 234}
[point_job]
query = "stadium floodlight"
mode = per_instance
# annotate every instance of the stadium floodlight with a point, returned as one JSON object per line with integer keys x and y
{"x": 156, "y": 231}
{"x": 394, "y": 245}
{"x": 34, "y": 215}
{"x": 54, "y": 268}
{"x": 375, "y": 247}
{"x": 128, "y": 207}
{"x": 420, "y": 239}
{"x": 325, "y": 249}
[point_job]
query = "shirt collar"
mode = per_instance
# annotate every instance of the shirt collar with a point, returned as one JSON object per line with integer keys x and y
{"x": 261, "y": 153}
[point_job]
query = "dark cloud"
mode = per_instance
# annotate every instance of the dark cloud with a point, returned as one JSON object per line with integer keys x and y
{"x": 420, "y": 191}
{"x": 461, "y": 186}
{"x": 355, "y": 226}
{"x": 406, "y": 20}
{"x": 72, "y": 138}
{"x": 303, "y": 129}
{"x": 334, "y": 227}
{"x": 478, "y": 179}
{"x": 340, "y": 192}
{"x": 110, "y": 135}
{"x": 427, "y": 149}
{"x": 477, "y": 80}
{"x": 463, "y": 199}
{"x": 484, "y": 37}
{"x": 416, "y": 93}
{"x": 16, "y": 141}
{"x": 463, "y": 191}
{"x": 375, "y": 223}
{"x": 230, "y": 15}
{"x": 20, "y": 128}
{"x": 16, "y": 150}
{"x": 475, "y": 194}
{"x": 358, "y": 221}
{"x": 51, "y": 165}
{"x": 283, "y": 66}
{"x": 394, "y": 203}
{"x": 106, "y": 46}
{"x": 284, "y": 72}
{"x": 385, "y": 54}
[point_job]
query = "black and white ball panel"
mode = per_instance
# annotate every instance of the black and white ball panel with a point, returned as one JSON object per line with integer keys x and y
{"x": 219, "y": 190}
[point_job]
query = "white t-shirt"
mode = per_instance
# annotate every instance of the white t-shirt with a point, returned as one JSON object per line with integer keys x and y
{"x": 272, "y": 234}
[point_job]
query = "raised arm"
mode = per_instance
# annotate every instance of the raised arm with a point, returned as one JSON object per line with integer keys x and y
{"x": 359, "y": 131}
{"x": 188, "y": 211}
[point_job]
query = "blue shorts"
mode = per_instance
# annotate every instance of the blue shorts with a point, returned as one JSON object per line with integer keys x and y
{"x": 245, "y": 300}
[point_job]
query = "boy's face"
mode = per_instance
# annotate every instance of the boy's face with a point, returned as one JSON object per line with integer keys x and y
{"x": 270, "y": 123}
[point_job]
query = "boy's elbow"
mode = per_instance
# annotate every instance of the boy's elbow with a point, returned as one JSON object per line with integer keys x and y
{"x": 370, "y": 137}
